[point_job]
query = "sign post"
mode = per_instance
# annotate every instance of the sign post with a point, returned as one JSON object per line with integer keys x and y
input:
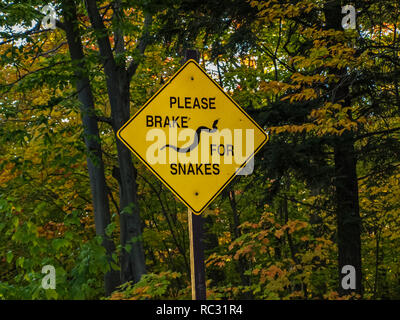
{"x": 196, "y": 223}
{"x": 197, "y": 268}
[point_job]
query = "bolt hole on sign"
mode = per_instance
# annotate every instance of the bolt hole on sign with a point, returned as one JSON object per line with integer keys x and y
{"x": 193, "y": 136}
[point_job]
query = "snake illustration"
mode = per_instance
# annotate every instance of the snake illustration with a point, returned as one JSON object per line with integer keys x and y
{"x": 196, "y": 139}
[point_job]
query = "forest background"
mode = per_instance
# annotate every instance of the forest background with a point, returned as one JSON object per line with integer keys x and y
{"x": 325, "y": 191}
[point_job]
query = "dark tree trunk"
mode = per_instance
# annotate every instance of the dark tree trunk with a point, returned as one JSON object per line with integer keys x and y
{"x": 118, "y": 81}
{"x": 133, "y": 260}
{"x": 346, "y": 184}
{"x": 92, "y": 139}
{"x": 348, "y": 215}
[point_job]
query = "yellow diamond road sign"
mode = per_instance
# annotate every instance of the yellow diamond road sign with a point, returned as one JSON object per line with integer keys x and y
{"x": 193, "y": 136}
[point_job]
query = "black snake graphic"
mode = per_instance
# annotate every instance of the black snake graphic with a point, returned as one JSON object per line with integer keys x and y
{"x": 196, "y": 139}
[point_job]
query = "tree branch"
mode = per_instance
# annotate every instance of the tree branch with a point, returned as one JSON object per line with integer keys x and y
{"x": 104, "y": 119}
{"x": 369, "y": 134}
{"x": 141, "y": 47}
{"x": 101, "y": 35}
{"x": 119, "y": 45}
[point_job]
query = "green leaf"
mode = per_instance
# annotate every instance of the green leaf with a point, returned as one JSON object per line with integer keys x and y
{"x": 20, "y": 262}
{"x": 9, "y": 256}
{"x": 59, "y": 243}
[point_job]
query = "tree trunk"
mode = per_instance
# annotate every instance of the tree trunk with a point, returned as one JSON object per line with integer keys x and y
{"x": 118, "y": 80}
{"x": 346, "y": 184}
{"x": 348, "y": 215}
{"x": 92, "y": 139}
{"x": 132, "y": 261}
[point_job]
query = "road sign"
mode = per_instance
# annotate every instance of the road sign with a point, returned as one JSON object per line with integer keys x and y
{"x": 193, "y": 136}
